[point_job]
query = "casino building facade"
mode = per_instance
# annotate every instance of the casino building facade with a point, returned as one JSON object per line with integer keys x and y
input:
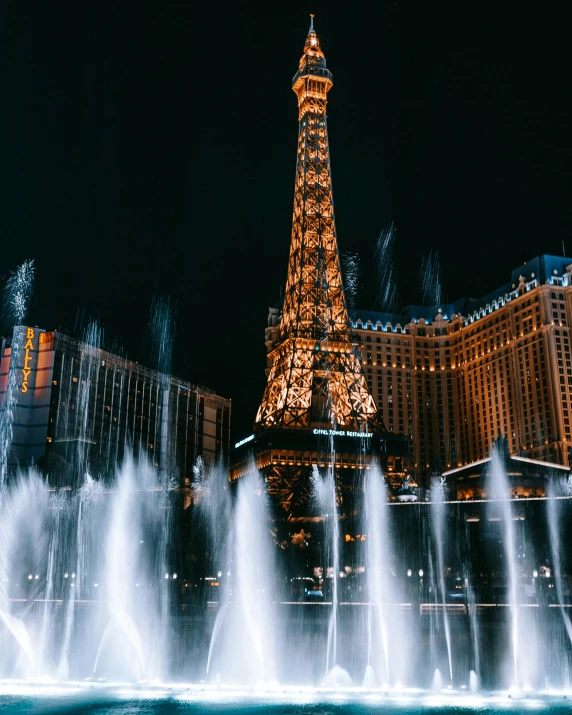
{"x": 454, "y": 377}
{"x": 71, "y": 401}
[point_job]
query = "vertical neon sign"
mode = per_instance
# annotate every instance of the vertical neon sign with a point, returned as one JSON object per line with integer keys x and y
{"x": 26, "y": 370}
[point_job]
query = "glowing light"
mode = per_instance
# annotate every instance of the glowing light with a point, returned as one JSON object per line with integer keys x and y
{"x": 313, "y": 355}
{"x": 244, "y": 441}
{"x": 26, "y": 369}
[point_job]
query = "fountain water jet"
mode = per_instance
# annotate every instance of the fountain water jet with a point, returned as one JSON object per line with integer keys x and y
{"x": 243, "y": 641}
{"x": 325, "y": 495}
{"x": 16, "y": 296}
{"x": 24, "y": 546}
{"x": 212, "y": 495}
{"x": 377, "y": 563}
{"x": 499, "y": 488}
{"x": 253, "y": 570}
{"x": 438, "y": 517}
{"x": 554, "y": 532}
{"x": 138, "y": 618}
{"x": 474, "y": 626}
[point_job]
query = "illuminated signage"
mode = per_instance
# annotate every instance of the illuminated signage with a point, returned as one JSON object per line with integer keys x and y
{"x": 342, "y": 433}
{"x": 26, "y": 370}
{"x": 244, "y": 441}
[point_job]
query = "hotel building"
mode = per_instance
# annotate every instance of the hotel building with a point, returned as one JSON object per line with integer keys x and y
{"x": 72, "y": 401}
{"x": 457, "y": 376}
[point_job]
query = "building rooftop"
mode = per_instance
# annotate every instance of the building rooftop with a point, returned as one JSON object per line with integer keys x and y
{"x": 538, "y": 271}
{"x": 78, "y": 346}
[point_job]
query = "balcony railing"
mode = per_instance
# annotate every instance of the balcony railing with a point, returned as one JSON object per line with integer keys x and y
{"x": 312, "y": 70}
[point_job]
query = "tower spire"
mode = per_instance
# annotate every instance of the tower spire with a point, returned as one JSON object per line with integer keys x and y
{"x": 315, "y": 377}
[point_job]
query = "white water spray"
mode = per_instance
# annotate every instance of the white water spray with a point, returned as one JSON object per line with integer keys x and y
{"x": 499, "y": 488}
{"x": 325, "y": 494}
{"x": 377, "y": 568}
{"x": 438, "y": 514}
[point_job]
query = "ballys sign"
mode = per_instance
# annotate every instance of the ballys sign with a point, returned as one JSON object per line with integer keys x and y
{"x": 29, "y": 345}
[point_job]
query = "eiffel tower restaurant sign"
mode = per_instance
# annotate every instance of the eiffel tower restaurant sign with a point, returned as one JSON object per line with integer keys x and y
{"x": 342, "y": 433}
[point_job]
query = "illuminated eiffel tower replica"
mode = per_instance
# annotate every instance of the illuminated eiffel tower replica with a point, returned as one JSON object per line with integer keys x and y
{"x": 316, "y": 408}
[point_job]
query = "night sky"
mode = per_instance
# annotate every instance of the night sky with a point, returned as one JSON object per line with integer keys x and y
{"x": 150, "y": 147}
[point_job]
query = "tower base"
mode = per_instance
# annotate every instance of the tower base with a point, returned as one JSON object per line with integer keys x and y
{"x": 286, "y": 459}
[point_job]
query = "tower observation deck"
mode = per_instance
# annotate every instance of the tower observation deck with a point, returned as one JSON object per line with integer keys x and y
{"x": 316, "y": 408}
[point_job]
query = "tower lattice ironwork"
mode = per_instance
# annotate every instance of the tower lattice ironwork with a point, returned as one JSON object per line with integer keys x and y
{"x": 315, "y": 377}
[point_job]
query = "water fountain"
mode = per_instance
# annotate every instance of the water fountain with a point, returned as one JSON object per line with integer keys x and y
{"x": 87, "y": 592}
{"x": 95, "y": 596}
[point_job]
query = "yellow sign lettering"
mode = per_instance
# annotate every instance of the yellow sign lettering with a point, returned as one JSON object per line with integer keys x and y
{"x": 26, "y": 370}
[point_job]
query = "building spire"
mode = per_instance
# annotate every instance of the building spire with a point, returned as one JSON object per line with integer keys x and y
{"x": 312, "y": 45}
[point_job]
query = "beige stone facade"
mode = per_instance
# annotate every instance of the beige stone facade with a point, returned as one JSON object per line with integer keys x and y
{"x": 454, "y": 381}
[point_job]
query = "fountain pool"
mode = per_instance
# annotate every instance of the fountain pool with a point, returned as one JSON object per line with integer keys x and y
{"x": 122, "y": 698}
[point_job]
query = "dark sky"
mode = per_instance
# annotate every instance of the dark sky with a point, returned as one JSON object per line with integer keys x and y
{"x": 151, "y": 147}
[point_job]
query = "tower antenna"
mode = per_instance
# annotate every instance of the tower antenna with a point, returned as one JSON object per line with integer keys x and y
{"x": 311, "y": 24}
